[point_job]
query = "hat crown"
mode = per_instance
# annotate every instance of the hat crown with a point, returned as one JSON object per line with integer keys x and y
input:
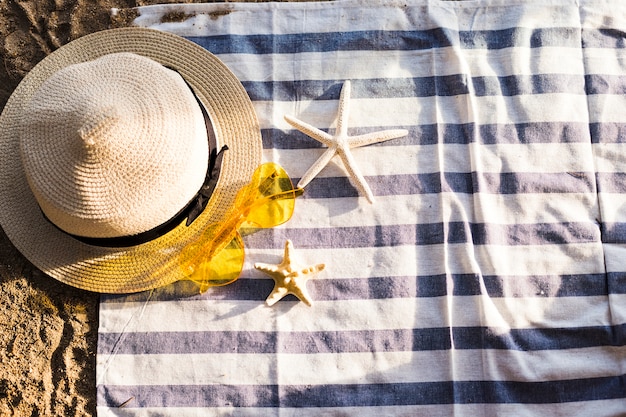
{"x": 113, "y": 147}
{"x": 97, "y": 127}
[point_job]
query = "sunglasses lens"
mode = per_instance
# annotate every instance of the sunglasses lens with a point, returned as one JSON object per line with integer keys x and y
{"x": 275, "y": 198}
{"x": 216, "y": 258}
{"x": 220, "y": 268}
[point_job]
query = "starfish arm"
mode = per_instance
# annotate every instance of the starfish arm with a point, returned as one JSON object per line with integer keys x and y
{"x": 267, "y": 268}
{"x": 276, "y": 295}
{"x": 302, "y": 294}
{"x": 287, "y": 252}
{"x": 317, "y": 166}
{"x": 376, "y": 137}
{"x": 355, "y": 173}
{"x": 310, "y": 130}
{"x": 343, "y": 112}
{"x": 313, "y": 269}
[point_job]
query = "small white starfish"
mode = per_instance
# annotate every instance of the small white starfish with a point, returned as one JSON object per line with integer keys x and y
{"x": 340, "y": 143}
{"x": 288, "y": 277}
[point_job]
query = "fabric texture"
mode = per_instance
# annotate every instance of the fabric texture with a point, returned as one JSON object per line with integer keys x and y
{"x": 488, "y": 278}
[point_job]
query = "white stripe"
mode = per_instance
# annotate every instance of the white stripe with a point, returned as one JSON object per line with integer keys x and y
{"x": 453, "y": 207}
{"x": 372, "y": 160}
{"x": 408, "y": 260}
{"x": 254, "y": 316}
{"x": 499, "y": 313}
{"x": 424, "y": 159}
{"x": 604, "y": 61}
{"x": 514, "y": 208}
{"x": 589, "y": 408}
{"x": 617, "y": 305}
{"x": 596, "y": 14}
{"x": 203, "y": 19}
{"x": 410, "y": 111}
{"x": 185, "y": 316}
{"x": 606, "y": 108}
{"x": 361, "y": 367}
{"x": 469, "y": 365}
{"x": 189, "y": 412}
{"x": 357, "y": 65}
{"x": 535, "y": 312}
{"x": 531, "y": 260}
{"x": 406, "y": 313}
{"x": 348, "y": 262}
{"x": 509, "y": 61}
{"x": 613, "y": 208}
{"x": 182, "y": 369}
{"x": 544, "y": 157}
{"x": 353, "y": 16}
{"x": 499, "y": 209}
{"x": 610, "y": 157}
{"x": 347, "y": 212}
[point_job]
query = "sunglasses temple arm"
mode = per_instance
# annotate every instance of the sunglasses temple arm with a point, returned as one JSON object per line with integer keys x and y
{"x": 293, "y": 193}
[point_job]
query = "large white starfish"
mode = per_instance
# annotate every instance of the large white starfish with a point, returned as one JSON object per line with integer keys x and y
{"x": 340, "y": 143}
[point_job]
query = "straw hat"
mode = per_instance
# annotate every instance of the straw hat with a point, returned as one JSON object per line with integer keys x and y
{"x": 105, "y": 138}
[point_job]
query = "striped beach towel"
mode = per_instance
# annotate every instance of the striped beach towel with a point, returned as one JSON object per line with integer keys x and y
{"x": 489, "y": 276}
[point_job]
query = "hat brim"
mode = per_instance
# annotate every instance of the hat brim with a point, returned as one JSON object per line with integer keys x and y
{"x": 153, "y": 264}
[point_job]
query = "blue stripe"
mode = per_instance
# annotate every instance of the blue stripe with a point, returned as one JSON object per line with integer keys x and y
{"x": 460, "y": 182}
{"x": 442, "y": 86}
{"x": 463, "y": 134}
{"x": 614, "y": 233}
{"x": 397, "y": 340}
{"x": 429, "y": 234}
{"x": 605, "y": 84}
{"x": 563, "y": 37}
{"x": 519, "y": 182}
{"x": 458, "y": 134}
{"x": 247, "y": 342}
{"x": 365, "y": 395}
{"x": 515, "y": 85}
{"x": 423, "y": 286}
{"x": 611, "y": 182}
{"x": 611, "y": 38}
{"x": 457, "y": 392}
{"x": 210, "y": 395}
{"x": 608, "y": 132}
{"x": 392, "y": 40}
{"x": 375, "y": 40}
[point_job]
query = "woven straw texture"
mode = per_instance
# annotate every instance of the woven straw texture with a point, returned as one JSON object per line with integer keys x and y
{"x": 114, "y": 147}
{"x": 152, "y": 264}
